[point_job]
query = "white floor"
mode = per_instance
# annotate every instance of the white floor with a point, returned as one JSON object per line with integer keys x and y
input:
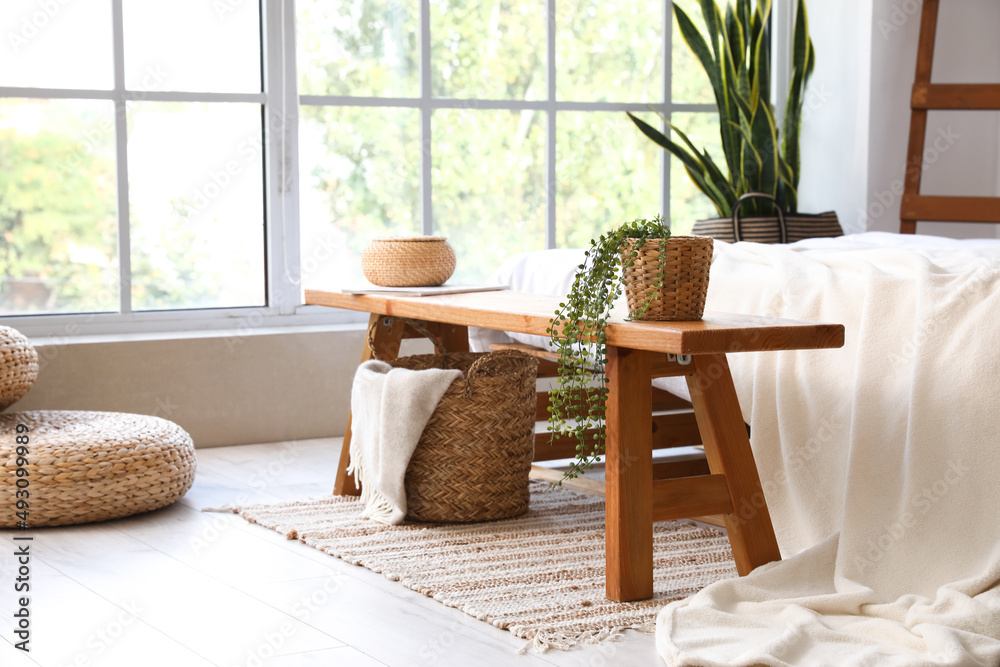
{"x": 187, "y": 588}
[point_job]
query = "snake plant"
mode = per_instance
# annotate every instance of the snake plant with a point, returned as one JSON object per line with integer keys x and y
{"x": 735, "y": 51}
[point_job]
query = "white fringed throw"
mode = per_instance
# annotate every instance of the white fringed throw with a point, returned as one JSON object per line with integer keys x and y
{"x": 390, "y": 408}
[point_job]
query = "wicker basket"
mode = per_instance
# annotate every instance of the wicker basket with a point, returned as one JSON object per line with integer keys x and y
{"x": 18, "y": 366}
{"x": 421, "y": 261}
{"x": 473, "y": 459}
{"x": 685, "y": 278}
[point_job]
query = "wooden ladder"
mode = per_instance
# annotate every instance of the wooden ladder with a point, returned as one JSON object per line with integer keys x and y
{"x": 927, "y": 96}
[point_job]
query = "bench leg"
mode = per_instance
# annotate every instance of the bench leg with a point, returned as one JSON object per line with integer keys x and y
{"x": 454, "y": 337}
{"x": 629, "y": 476}
{"x": 727, "y": 449}
{"x": 386, "y": 337}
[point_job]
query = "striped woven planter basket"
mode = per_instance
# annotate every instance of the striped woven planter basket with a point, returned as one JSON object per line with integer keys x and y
{"x": 780, "y": 228}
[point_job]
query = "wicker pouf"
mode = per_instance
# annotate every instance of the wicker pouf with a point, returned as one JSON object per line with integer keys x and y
{"x": 93, "y": 466}
{"x": 18, "y": 366}
{"x": 474, "y": 456}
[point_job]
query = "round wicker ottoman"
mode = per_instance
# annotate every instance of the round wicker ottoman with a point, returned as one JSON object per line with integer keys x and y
{"x": 92, "y": 466}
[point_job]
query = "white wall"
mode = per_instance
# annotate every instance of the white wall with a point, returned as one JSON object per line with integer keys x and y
{"x": 224, "y": 390}
{"x": 856, "y": 143}
{"x": 835, "y": 129}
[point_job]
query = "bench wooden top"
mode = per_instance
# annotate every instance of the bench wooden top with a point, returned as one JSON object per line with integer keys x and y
{"x": 527, "y": 313}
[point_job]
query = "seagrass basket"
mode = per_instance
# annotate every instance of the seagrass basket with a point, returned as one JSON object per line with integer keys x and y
{"x": 474, "y": 456}
{"x": 419, "y": 261}
{"x": 685, "y": 278}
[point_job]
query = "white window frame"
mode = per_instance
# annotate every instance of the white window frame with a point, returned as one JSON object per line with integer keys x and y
{"x": 427, "y": 104}
{"x": 280, "y": 100}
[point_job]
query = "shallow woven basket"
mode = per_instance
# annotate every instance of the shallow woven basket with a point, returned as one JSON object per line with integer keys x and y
{"x": 473, "y": 459}
{"x": 18, "y": 366}
{"x": 420, "y": 261}
{"x": 685, "y": 278}
{"x": 92, "y": 466}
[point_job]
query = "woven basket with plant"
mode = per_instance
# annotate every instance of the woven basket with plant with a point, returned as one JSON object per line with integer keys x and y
{"x": 662, "y": 277}
{"x": 666, "y": 279}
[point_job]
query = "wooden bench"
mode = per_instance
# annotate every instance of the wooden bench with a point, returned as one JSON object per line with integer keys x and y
{"x": 637, "y": 353}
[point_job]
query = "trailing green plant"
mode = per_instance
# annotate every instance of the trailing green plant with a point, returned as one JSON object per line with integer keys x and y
{"x": 735, "y": 52}
{"x": 577, "y": 403}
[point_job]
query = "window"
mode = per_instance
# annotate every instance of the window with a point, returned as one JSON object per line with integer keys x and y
{"x": 131, "y": 143}
{"x": 191, "y": 164}
{"x": 499, "y": 125}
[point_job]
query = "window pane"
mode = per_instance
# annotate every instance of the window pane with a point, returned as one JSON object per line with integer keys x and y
{"x": 688, "y": 80}
{"x": 196, "y": 204}
{"x": 192, "y": 45}
{"x": 57, "y": 207}
{"x": 489, "y": 186}
{"x": 609, "y": 51}
{"x": 56, "y": 44}
{"x": 360, "y": 173}
{"x": 358, "y": 47}
{"x": 607, "y": 173}
{"x": 488, "y": 50}
{"x": 687, "y": 203}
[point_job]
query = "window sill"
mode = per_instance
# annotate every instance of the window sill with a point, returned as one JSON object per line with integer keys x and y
{"x": 190, "y": 334}
{"x": 240, "y": 323}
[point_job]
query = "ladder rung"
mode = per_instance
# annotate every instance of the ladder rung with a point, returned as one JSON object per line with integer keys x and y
{"x": 976, "y": 96}
{"x": 949, "y": 209}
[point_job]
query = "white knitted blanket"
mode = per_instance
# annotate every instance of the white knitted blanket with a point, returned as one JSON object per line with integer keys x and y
{"x": 389, "y": 410}
{"x": 880, "y": 462}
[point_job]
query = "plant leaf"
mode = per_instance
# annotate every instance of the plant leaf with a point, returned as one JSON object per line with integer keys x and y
{"x": 737, "y": 50}
{"x": 710, "y": 12}
{"x": 803, "y": 62}
{"x": 765, "y": 139}
{"x": 700, "y": 48}
{"x": 723, "y": 204}
{"x": 712, "y": 176}
{"x": 763, "y": 54}
{"x": 696, "y": 42}
{"x": 743, "y": 14}
{"x": 664, "y": 142}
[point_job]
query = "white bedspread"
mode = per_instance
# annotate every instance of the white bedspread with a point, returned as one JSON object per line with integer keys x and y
{"x": 551, "y": 272}
{"x": 880, "y": 461}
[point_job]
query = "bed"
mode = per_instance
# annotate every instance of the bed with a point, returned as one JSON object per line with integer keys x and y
{"x": 878, "y": 460}
{"x": 551, "y": 272}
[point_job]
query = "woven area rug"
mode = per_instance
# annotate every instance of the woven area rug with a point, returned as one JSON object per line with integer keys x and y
{"x": 540, "y": 576}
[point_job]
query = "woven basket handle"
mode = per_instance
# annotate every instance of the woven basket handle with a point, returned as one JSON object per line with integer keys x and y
{"x": 782, "y": 231}
{"x": 415, "y": 324}
{"x": 470, "y": 375}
